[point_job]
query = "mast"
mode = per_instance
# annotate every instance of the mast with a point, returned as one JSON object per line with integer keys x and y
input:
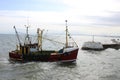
{"x": 17, "y": 35}
{"x": 66, "y": 34}
{"x": 40, "y": 33}
{"x": 27, "y": 38}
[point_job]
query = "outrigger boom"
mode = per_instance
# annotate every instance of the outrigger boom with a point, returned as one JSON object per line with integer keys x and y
{"x": 17, "y": 35}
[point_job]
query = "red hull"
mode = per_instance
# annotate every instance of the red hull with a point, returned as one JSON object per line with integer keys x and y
{"x": 71, "y": 56}
{"x": 63, "y": 57}
{"x": 15, "y": 56}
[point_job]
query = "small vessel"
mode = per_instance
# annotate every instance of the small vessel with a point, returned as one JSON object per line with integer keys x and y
{"x": 34, "y": 52}
{"x": 92, "y": 45}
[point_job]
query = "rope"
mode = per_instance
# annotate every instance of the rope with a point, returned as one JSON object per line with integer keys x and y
{"x": 72, "y": 39}
{"x": 54, "y": 41}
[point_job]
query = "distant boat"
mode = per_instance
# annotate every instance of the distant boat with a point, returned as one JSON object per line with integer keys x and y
{"x": 34, "y": 52}
{"x": 92, "y": 45}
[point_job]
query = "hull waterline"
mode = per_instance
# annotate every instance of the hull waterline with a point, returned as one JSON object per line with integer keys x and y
{"x": 53, "y": 57}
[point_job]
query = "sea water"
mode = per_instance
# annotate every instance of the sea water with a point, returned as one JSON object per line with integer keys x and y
{"x": 90, "y": 65}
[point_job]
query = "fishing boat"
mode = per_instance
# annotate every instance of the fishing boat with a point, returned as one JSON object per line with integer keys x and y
{"x": 34, "y": 52}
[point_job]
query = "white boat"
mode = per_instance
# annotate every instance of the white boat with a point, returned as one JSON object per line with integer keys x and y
{"x": 92, "y": 46}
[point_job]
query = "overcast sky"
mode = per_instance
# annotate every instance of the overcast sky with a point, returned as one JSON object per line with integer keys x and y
{"x": 84, "y": 16}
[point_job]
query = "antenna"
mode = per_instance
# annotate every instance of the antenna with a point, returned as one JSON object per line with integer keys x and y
{"x": 66, "y": 34}
{"x": 93, "y": 38}
{"x": 28, "y": 21}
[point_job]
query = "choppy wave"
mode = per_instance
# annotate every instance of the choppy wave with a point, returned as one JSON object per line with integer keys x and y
{"x": 4, "y": 61}
{"x": 90, "y": 65}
